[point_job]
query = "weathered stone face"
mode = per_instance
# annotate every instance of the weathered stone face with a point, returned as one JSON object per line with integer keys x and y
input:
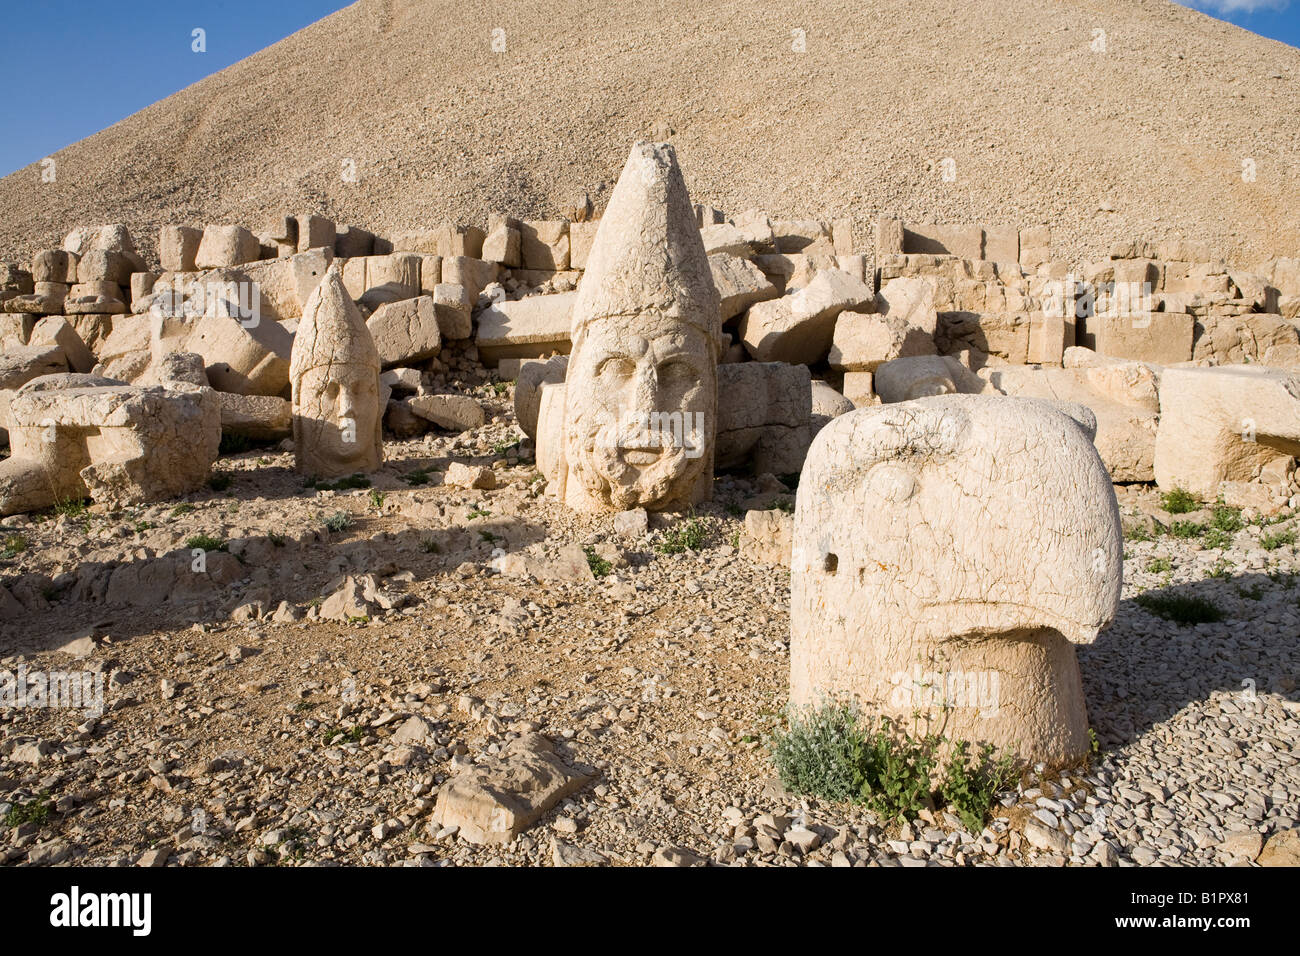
{"x": 641, "y": 400}
{"x": 336, "y": 393}
{"x": 644, "y": 435}
{"x": 969, "y": 537}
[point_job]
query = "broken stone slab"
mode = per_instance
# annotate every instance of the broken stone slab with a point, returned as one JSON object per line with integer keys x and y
{"x": 910, "y": 299}
{"x": 740, "y": 284}
{"x": 863, "y": 342}
{"x": 526, "y": 328}
{"x": 473, "y": 275}
{"x": 405, "y": 331}
{"x": 725, "y": 239}
{"x": 826, "y": 404}
{"x": 453, "y": 310}
{"x": 581, "y": 237}
{"x": 259, "y": 417}
{"x": 544, "y": 244}
{"x": 799, "y": 328}
{"x": 567, "y": 563}
{"x": 904, "y": 379}
{"x": 453, "y": 412}
{"x": 767, "y": 537}
{"x": 315, "y": 232}
{"x": 495, "y": 800}
{"x": 1224, "y": 424}
{"x": 1164, "y": 338}
{"x": 764, "y": 416}
{"x": 20, "y": 365}
{"x": 55, "y": 265}
{"x": 470, "y": 476}
{"x": 242, "y": 356}
{"x": 117, "y": 444}
{"x": 55, "y": 331}
{"x": 528, "y": 389}
{"x": 354, "y": 598}
{"x": 178, "y": 248}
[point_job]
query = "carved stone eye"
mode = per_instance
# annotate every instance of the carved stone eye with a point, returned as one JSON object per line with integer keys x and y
{"x": 617, "y": 367}
{"x": 890, "y": 481}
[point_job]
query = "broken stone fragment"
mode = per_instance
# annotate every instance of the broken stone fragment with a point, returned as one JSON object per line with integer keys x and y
{"x": 497, "y": 799}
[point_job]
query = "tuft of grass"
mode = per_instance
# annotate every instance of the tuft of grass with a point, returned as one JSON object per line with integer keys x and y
{"x": 14, "y": 545}
{"x": 430, "y": 546}
{"x": 599, "y": 566}
{"x": 1253, "y": 593}
{"x": 418, "y": 477}
{"x": 1225, "y": 519}
{"x": 142, "y": 526}
{"x": 832, "y": 753}
{"x": 1271, "y": 542}
{"x": 71, "y": 508}
{"x": 478, "y": 513}
{"x": 1159, "y": 566}
{"x": 342, "y": 484}
{"x": 1138, "y": 532}
{"x": 220, "y": 480}
{"x": 784, "y": 504}
{"x": 1179, "y": 501}
{"x": 205, "y": 542}
{"x": 1186, "y": 529}
{"x": 182, "y": 509}
{"x": 338, "y": 521}
{"x": 36, "y": 810}
{"x": 377, "y": 499}
{"x": 1180, "y": 608}
{"x": 689, "y": 535}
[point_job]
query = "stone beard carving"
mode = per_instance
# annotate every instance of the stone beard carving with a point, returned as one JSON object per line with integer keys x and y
{"x": 334, "y": 373}
{"x": 642, "y": 394}
{"x": 948, "y": 553}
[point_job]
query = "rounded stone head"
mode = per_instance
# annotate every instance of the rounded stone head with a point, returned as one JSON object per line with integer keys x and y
{"x": 641, "y": 394}
{"x": 959, "y": 534}
{"x": 334, "y": 375}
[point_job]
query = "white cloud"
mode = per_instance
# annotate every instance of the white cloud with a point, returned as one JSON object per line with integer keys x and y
{"x": 1229, "y": 7}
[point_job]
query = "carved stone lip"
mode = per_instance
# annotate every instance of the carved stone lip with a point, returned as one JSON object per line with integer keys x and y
{"x": 1076, "y": 632}
{"x": 640, "y": 457}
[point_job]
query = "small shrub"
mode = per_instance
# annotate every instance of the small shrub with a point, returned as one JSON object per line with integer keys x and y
{"x": 1179, "y": 501}
{"x": 1225, "y": 519}
{"x": 220, "y": 480}
{"x": 823, "y": 753}
{"x": 784, "y": 504}
{"x": 1253, "y": 593}
{"x": 599, "y": 566}
{"x": 204, "y": 542}
{"x": 1186, "y": 529}
{"x": 36, "y": 810}
{"x": 377, "y": 499}
{"x": 1180, "y": 608}
{"x": 277, "y": 540}
{"x": 1217, "y": 538}
{"x": 430, "y": 546}
{"x": 71, "y": 508}
{"x": 1271, "y": 542}
{"x": 14, "y": 545}
{"x": 687, "y": 536}
{"x": 182, "y": 510}
{"x": 479, "y": 513}
{"x": 971, "y": 784}
{"x": 418, "y": 477}
{"x": 1159, "y": 566}
{"x": 142, "y": 526}
{"x": 338, "y": 521}
{"x": 1138, "y": 532}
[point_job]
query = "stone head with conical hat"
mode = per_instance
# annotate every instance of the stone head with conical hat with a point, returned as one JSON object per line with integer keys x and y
{"x": 641, "y": 394}
{"x": 334, "y": 374}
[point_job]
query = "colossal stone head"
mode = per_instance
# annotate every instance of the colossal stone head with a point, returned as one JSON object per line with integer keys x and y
{"x": 947, "y": 552}
{"x": 641, "y": 395}
{"x": 334, "y": 373}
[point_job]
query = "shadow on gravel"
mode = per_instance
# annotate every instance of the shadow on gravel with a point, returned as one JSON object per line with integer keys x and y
{"x": 1172, "y": 646}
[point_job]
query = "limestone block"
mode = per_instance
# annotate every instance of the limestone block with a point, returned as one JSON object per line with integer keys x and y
{"x": 315, "y": 232}
{"x": 799, "y": 328}
{"x": 1025, "y": 562}
{"x": 863, "y": 342}
{"x": 1224, "y": 424}
{"x": 105, "y": 265}
{"x": 1254, "y": 337}
{"x": 453, "y": 309}
{"x": 54, "y": 331}
{"x": 20, "y": 365}
{"x": 803, "y": 236}
{"x": 1049, "y": 337}
{"x": 740, "y": 284}
{"x": 827, "y": 404}
{"x": 922, "y": 376}
{"x": 756, "y": 229}
{"x": 430, "y": 273}
{"x": 725, "y": 238}
{"x": 767, "y": 537}
{"x": 405, "y": 331}
{"x": 224, "y": 246}
{"x": 389, "y": 278}
{"x": 528, "y": 389}
{"x": 503, "y": 245}
{"x": 526, "y": 328}
{"x": 1001, "y": 244}
{"x": 889, "y": 238}
{"x": 178, "y": 248}
{"x": 1161, "y": 337}
{"x": 858, "y": 389}
{"x": 117, "y": 444}
{"x": 55, "y": 265}
{"x": 544, "y": 244}
{"x": 764, "y": 414}
{"x": 842, "y": 237}
{"x": 457, "y": 413}
{"x": 445, "y": 239}
{"x": 965, "y": 242}
{"x": 581, "y": 237}
{"x": 245, "y": 357}
{"x": 473, "y": 274}
{"x": 1005, "y": 335}
{"x": 353, "y": 241}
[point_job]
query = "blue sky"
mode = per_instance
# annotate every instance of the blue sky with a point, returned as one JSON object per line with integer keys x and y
{"x": 74, "y": 67}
